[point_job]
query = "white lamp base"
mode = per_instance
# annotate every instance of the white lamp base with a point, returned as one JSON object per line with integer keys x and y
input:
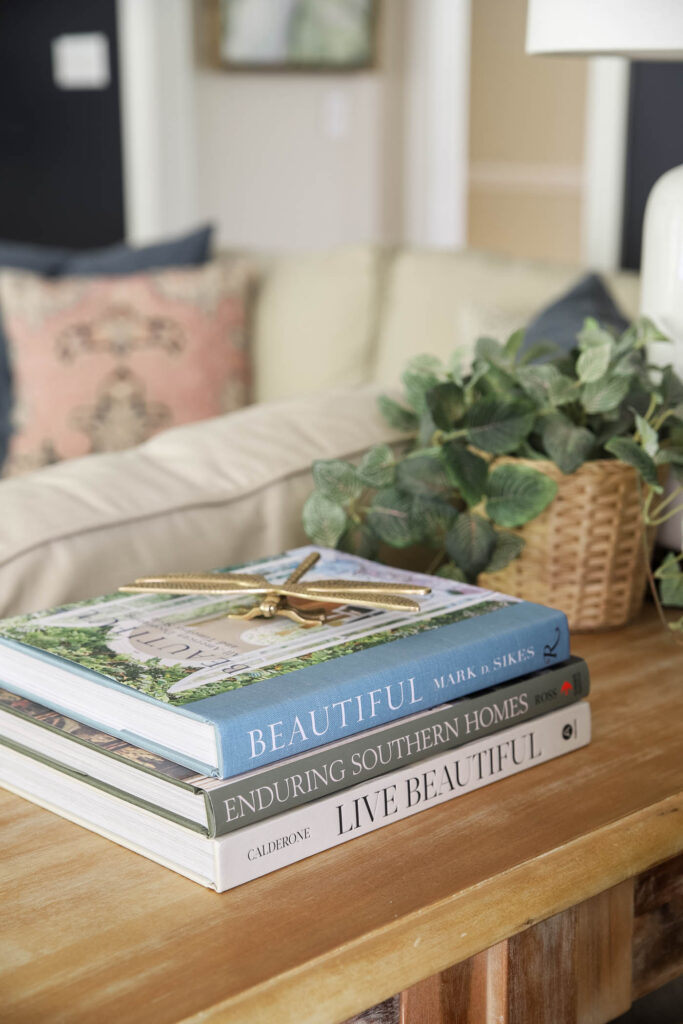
{"x": 661, "y": 296}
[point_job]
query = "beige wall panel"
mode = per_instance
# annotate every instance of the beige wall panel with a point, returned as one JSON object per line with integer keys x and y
{"x": 528, "y": 226}
{"x": 522, "y": 108}
{"x": 527, "y": 122}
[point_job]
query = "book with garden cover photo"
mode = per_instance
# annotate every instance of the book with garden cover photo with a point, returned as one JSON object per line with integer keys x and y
{"x": 173, "y": 674}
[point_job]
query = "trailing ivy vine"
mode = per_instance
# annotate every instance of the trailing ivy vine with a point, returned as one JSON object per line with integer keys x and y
{"x": 452, "y": 486}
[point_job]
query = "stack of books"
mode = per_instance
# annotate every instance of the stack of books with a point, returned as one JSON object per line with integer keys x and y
{"x": 227, "y": 748}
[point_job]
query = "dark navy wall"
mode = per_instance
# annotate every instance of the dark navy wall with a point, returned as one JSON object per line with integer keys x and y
{"x": 60, "y": 150}
{"x": 655, "y": 143}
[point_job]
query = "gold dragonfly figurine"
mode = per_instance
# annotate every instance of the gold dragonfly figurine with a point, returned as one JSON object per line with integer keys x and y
{"x": 275, "y": 599}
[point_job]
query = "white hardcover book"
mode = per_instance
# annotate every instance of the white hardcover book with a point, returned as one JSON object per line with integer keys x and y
{"x": 227, "y": 861}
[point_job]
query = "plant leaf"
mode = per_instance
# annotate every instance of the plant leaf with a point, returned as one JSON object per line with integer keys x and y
{"x": 592, "y": 335}
{"x": 419, "y": 377}
{"x": 425, "y": 363}
{"x": 628, "y": 364}
{"x": 465, "y": 470}
{"x": 671, "y": 582}
{"x": 431, "y": 519}
{"x": 604, "y": 395}
{"x": 397, "y": 415}
{"x": 593, "y": 364}
{"x": 514, "y": 344}
{"x": 499, "y": 425}
{"x": 626, "y": 449}
{"x": 567, "y": 445}
{"x": 451, "y": 572}
{"x": 324, "y": 520}
{"x": 517, "y": 494}
{"x": 539, "y": 350}
{"x": 497, "y": 381}
{"x": 446, "y": 403}
{"x": 648, "y": 436}
{"x": 336, "y": 479}
{"x": 377, "y": 467}
{"x": 676, "y": 411}
{"x": 426, "y": 430}
{"x": 646, "y": 331}
{"x": 359, "y": 539}
{"x": 423, "y": 473}
{"x": 508, "y": 547}
{"x": 546, "y": 385}
{"x": 389, "y": 517}
{"x": 669, "y": 456}
{"x": 671, "y": 386}
{"x": 526, "y": 450}
{"x": 488, "y": 349}
{"x": 470, "y": 543}
{"x": 596, "y": 346}
{"x": 455, "y": 366}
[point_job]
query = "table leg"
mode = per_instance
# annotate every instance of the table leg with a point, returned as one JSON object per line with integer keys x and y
{"x": 658, "y": 927}
{"x": 573, "y": 968}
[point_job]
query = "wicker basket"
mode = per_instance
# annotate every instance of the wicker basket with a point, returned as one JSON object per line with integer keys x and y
{"x": 584, "y": 554}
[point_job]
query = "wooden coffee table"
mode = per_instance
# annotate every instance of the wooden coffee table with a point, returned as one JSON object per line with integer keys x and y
{"x": 557, "y": 893}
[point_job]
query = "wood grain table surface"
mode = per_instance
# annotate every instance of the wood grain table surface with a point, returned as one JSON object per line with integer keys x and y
{"x": 93, "y": 932}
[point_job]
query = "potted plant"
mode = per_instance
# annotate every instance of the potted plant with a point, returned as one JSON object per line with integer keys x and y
{"x": 537, "y": 472}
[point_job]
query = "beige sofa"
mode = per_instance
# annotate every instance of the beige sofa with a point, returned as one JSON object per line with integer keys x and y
{"x": 329, "y": 330}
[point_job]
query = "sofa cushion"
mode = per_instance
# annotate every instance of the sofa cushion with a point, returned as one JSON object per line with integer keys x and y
{"x": 51, "y": 261}
{"x": 102, "y": 363}
{"x": 438, "y": 301}
{"x": 314, "y": 323}
{"x": 209, "y": 494}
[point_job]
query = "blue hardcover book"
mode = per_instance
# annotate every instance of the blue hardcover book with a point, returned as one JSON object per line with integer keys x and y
{"x": 173, "y": 674}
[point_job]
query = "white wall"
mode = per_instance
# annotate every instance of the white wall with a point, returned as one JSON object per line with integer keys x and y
{"x": 296, "y": 161}
{"x": 302, "y": 161}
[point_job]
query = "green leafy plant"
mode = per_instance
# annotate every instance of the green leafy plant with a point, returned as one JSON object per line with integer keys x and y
{"x": 454, "y": 486}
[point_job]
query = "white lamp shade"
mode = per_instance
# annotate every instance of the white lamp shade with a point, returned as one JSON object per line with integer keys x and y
{"x": 641, "y": 29}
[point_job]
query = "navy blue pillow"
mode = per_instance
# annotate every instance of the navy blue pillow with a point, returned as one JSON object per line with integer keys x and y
{"x": 188, "y": 251}
{"x": 562, "y": 320}
{"x": 40, "y": 259}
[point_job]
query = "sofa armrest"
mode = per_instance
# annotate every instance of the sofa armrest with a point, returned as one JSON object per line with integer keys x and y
{"x": 196, "y": 497}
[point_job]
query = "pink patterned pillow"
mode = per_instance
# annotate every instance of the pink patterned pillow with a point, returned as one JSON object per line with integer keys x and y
{"x": 101, "y": 364}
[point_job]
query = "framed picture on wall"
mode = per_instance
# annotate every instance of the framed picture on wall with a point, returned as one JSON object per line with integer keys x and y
{"x": 296, "y": 35}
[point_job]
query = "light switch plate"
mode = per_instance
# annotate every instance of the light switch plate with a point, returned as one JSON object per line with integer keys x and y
{"x": 81, "y": 61}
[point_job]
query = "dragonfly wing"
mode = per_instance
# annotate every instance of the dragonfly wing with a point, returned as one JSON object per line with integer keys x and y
{"x": 387, "y": 602}
{"x": 361, "y": 586}
{"x": 213, "y": 578}
{"x": 194, "y": 583}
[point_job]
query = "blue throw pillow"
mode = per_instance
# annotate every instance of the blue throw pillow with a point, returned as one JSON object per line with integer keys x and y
{"x": 40, "y": 259}
{"x": 188, "y": 251}
{"x": 562, "y": 320}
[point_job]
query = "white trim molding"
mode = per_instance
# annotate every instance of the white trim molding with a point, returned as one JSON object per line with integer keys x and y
{"x": 437, "y": 123}
{"x": 156, "y": 72}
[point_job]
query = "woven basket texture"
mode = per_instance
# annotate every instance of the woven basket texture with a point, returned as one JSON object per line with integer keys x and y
{"x": 584, "y": 554}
